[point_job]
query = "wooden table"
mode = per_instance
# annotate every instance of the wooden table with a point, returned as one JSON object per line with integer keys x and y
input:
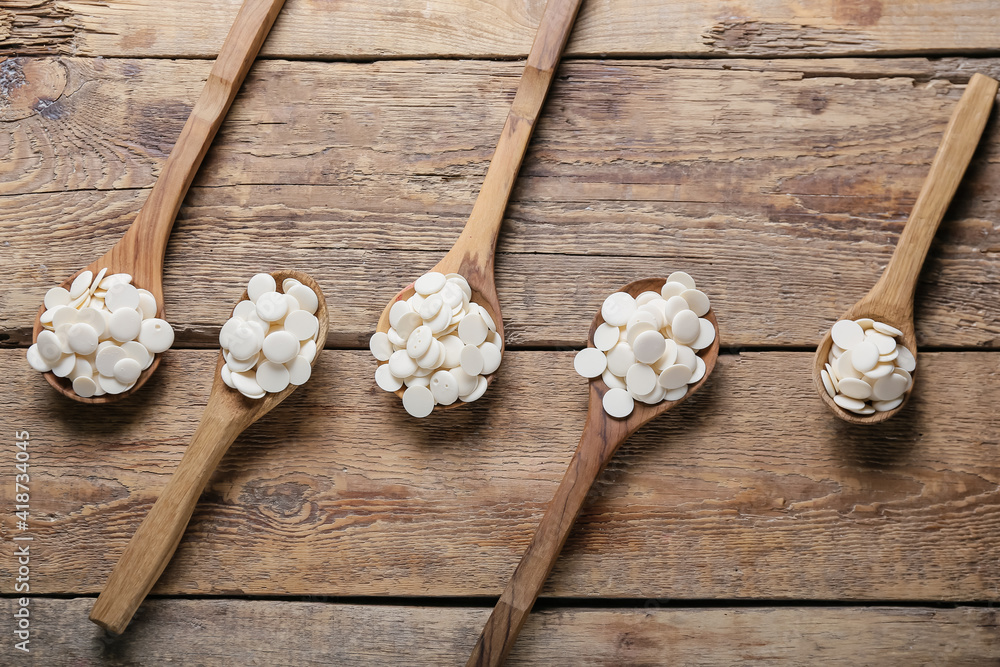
{"x": 771, "y": 148}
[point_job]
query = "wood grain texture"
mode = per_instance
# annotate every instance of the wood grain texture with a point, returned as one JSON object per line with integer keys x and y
{"x": 956, "y": 303}
{"x": 339, "y": 492}
{"x": 35, "y": 27}
{"x": 356, "y": 29}
{"x": 222, "y": 632}
{"x": 352, "y": 173}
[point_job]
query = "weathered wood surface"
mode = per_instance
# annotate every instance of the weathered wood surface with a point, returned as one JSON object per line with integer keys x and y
{"x": 216, "y": 632}
{"x": 351, "y": 173}
{"x": 355, "y": 29}
{"x": 733, "y": 145}
{"x": 749, "y": 490}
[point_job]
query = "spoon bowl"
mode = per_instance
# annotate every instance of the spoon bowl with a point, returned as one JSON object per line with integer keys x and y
{"x": 484, "y": 292}
{"x": 227, "y": 414}
{"x": 602, "y": 436}
{"x": 643, "y": 412}
{"x": 891, "y": 299}
{"x": 140, "y": 251}
{"x": 880, "y": 311}
{"x": 123, "y": 257}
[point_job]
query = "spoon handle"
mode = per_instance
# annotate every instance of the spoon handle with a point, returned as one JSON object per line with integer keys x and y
{"x": 479, "y": 237}
{"x": 899, "y": 281}
{"x": 151, "y": 229}
{"x": 154, "y": 543}
{"x": 601, "y": 438}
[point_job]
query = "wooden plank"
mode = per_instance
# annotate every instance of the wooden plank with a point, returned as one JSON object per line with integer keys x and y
{"x": 80, "y": 124}
{"x": 311, "y": 633}
{"x": 548, "y": 300}
{"x": 35, "y": 27}
{"x": 350, "y": 176}
{"x": 354, "y": 29}
{"x": 750, "y": 490}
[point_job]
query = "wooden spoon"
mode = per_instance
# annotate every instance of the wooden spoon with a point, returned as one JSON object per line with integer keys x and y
{"x": 602, "y": 435}
{"x": 140, "y": 251}
{"x": 473, "y": 253}
{"x": 891, "y": 299}
{"x": 227, "y": 414}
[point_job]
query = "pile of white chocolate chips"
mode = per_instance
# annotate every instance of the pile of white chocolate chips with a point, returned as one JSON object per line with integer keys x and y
{"x": 100, "y": 334}
{"x": 440, "y": 344}
{"x": 645, "y": 350}
{"x": 867, "y": 370}
{"x": 270, "y": 341}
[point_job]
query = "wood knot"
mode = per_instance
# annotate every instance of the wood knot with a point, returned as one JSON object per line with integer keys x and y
{"x": 812, "y": 101}
{"x": 282, "y": 500}
{"x": 29, "y": 86}
{"x": 857, "y": 12}
{"x": 732, "y": 35}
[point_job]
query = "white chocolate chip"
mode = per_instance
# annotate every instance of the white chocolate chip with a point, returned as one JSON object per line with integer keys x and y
{"x": 645, "y": 349}
{"x": 57, "y": 296}
{"x": 618, "y": 403}
{"x": 271, "y": 306}
{"x": 855, "y": 388}
{"x": 670, "y": 289}
{"x": 81, "y": 284}
{"x": 260, "y": 284}
{"x": 126, "y": 324}
{"x": 686, "y": 327}
{"x": 674, "y": 377}
{"x": 641, "y": 379}
{"x": 272, "y": 377}
{"x": 156, "y": 335}
{"x": 649, "y": 346}
{"x": 107, "y": 311}
{"x": 308, "y": 300}
{"x": 82, "y": 338}
{"x": 380, "y": 346}
{"x": 386, "y": 380}
{"x": 620, "y": 359}
{"x": 127, "y": 370}
{"x": 697, "y": 301}
{"x": 590, "y": 362}
{"x": 418, "y": 401}
{"x": 246, "y": 383}
{"x": 85, "y": 387}
{"x": 864, "y": 356}
{"x": 280, "y": 347}
{"x": 429, "y": 283}
{"x": 36, "y": 361}
{"x": 888, "y": 330}
{"x": 617, "y": 308}
{"x": 438, "y": 329}
{"x": 682, "y": 278}
{"x": 444, "y": 387}
{"x": 472, "y": 329}
{"x": 847, "y": 334}
{"x": 492, "y": 356}
{"x": 870, "y": 370}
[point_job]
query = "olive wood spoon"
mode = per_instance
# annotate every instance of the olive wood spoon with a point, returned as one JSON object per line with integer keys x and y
{"x": 472, "y": 255}
{"x": 891, "y": 299}
{"x": 227, "y": 414}
{"x": 140, "y": 251}
{"x": 602, "y": 435}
